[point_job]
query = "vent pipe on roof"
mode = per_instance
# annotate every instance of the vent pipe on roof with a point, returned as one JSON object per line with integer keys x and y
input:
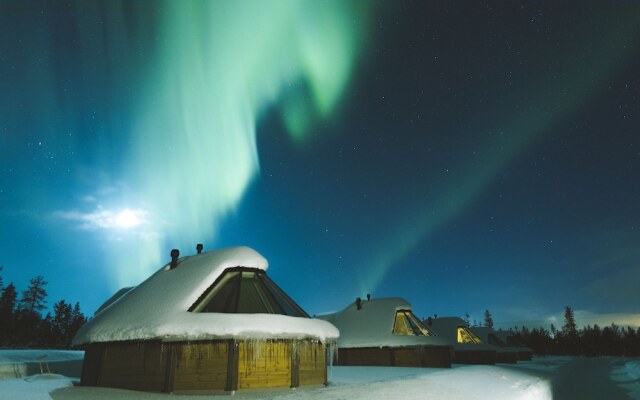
{"x": 175, "y": 253}
{"x": 368, "y": 296}
{"x": 358, "y": 303}
{"x": 199, "y": 248}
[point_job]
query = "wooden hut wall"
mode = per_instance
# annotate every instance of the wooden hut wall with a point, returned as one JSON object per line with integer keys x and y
{"x": 408, "y": 356}
{"x": 91, "y": 365}
{"x": 524, "y": 355}
{"x": 206, "y": 365}
{"x": 266, "y": 364}
{"x": 200, "y": 366}
{"x": 507, "y": 357}
{"x": 312, "y": 362}
{"x": 483, "y": 357}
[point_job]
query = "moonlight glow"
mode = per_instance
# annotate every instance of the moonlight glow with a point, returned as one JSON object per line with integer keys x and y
{"x": 128, "y": 218}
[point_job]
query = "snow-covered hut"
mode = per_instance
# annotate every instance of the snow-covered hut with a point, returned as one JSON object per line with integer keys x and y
{"x": 384, "y": 332}
{"x": 468, "y": 348}
{"x": 211, "y": 321}
{"x": 504, "y": 353}
{"x": 524, "y": 353}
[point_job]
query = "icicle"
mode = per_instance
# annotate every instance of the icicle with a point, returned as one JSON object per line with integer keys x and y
{"x": 331, "y": 348}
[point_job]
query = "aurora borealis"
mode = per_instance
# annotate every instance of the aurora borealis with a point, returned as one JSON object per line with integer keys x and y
{"x": 463, "y": 157}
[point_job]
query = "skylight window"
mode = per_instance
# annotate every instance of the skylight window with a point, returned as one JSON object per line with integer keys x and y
{"x": 246, "y": 291}
{"x": 407, "y": 324}
{"x": 466, "y": 336}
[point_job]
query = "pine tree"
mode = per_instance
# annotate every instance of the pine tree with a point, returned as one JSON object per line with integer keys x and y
{"x": 488, "y": 319}
{"x": 467, "y": 319}
{"x": 77, "y": 320}
{"x": 569, "y": 327}
{"x": 34, "y": 298}
{"x": 569, "y": 340}
{"x": 8, "y": 300}
{"x": 7, "y": 314}
{"x": 61, "y": 323}
{"x": 1, "y": 281}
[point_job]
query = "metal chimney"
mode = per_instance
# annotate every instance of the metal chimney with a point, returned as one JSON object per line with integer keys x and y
{"x": 175, "y": 253}
{"x": 199, "y": 247}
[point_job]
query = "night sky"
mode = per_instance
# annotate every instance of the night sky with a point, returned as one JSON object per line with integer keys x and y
{"x": 462, "y": 155}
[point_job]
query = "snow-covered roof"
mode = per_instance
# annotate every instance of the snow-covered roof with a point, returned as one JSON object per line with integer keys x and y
{"x": 113, "y": 298}
{"x": 483, "y": 333}
{"x": 447, "y": 327}
{"x": 372, "y": 325}
{"x": 507, "y": 337}
{"x": 158, "y": 307}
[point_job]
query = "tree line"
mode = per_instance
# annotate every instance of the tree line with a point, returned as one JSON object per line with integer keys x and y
{"x": 22, "y": 324}
{"x": 589, "y": 341}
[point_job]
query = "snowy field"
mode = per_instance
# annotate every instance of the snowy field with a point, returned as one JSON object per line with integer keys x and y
{"x": 542, "y": 378}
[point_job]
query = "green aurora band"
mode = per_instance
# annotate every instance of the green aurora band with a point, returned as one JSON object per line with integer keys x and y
{"x": 550, "y": 100}
{"x": 220, "y": 65}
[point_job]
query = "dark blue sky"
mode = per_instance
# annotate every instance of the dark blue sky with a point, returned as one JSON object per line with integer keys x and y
{"x": 464, "y": 156}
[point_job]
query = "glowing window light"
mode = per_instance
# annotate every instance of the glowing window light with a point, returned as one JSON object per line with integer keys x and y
{"x": 407, "y": 324}
{"x": 466, "y": 336}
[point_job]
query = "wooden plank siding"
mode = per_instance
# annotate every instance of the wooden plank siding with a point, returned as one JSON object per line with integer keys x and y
{"x": 135, "y": 366}
{"x": 264, "y": 364}
{"x": 525, "y": 355}
{"x": 506, "y": 357}
{"x": 312, "y": 359}
{"x": 92, "y": 365}
{"x": 205, "y": 365}
{"x": 201, "y": 366}
{"x": 477, "y": 357}
{"x": 406, "y": 356}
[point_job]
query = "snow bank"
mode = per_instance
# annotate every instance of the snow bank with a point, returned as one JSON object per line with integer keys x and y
{"x": 544, "y": 363}
{"x": 356, "y": 383}
{"x": 628, "y": 377}
{"x": 632, "y": 369}
{"x": 34, "y": 356}
{"x": 157, "y": 308}
{"x": 36, "y": 387}
{"x": 22, "y": 363}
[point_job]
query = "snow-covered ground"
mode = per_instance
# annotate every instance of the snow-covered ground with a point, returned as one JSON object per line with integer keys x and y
{"x": 542, "y": 378}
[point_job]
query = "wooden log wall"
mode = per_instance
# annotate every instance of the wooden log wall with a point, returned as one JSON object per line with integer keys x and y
{"x": 204, "y": 366}
{"x": 478, "y": 357}
{"x": 406, "y": 356}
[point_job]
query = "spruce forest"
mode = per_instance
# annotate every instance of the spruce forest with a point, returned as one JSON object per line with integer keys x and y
{"x": 22, "y": 324}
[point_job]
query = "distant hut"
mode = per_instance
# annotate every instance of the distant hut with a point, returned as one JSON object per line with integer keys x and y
{"x": 468, "y": 348}
{"x": 504, "y": 353}
{"x": 207, "y": 322}
{"x": 384, "y": 332}
{"x": 524, "y": 353}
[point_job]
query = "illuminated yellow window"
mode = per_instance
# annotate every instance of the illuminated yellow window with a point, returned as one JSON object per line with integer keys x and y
{"x": 466, "y": 336}
{"x": 408, "y": 324}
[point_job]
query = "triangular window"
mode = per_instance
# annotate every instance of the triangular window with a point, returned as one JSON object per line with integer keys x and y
{"x": 407, "y": 324}
{"x": 246, "y": 291}
{"x": 466, "y": 336}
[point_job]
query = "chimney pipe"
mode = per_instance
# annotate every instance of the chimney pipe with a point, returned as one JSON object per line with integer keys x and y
{"x": 199, "y": 248}
{"x": 368, "y": 296}
{"x": 175, "y": 253}
{"x": 358, "y": 303}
